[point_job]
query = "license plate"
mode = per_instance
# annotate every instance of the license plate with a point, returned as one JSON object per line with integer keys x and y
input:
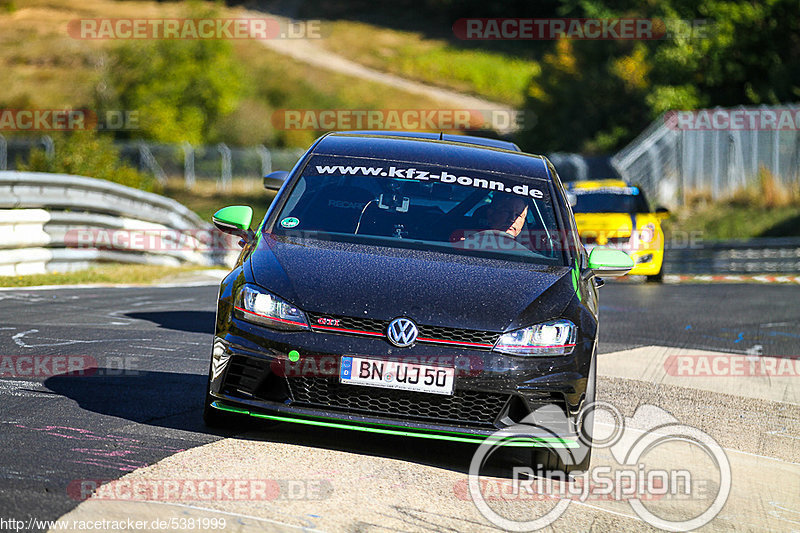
{"x": 397, "y": 375}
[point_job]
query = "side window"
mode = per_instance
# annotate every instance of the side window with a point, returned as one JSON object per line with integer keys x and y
{"x": 573, "y": 240}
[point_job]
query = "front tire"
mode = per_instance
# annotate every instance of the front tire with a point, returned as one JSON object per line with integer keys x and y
{"x": 573, "y": 460}
{"x": 217, "y": 419}
{"x": 656, "y": 278}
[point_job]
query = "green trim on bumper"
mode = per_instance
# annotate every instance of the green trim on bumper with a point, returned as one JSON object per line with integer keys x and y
{"x": 521, "y": 441}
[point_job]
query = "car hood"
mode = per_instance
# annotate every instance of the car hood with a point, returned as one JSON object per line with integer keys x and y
{"x": 380, "y": 283}
{"x": 609, "y": 224}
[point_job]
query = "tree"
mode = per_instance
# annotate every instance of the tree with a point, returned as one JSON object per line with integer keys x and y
{"x": 180, "y": 88}
{"x": 595, "y": 96}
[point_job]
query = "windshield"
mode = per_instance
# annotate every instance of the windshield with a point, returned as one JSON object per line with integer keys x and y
{"x": 612, "y": 200}
{"x": 407, "y": 205}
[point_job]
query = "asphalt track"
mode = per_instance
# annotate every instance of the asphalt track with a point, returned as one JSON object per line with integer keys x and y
{"x": 151, "y": 349}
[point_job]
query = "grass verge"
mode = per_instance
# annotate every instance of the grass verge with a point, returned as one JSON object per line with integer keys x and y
{"x": 46, "y": 68}
{"x": 112, "y": 273}
{"x": 492, "y": 75}
{"x": 718, "y": 222}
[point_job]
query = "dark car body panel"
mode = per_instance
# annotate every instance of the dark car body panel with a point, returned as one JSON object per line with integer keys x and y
{"x": 434, "y": 288}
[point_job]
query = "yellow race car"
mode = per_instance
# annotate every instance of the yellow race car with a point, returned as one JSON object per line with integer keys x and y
{"x": 616, "y": 214}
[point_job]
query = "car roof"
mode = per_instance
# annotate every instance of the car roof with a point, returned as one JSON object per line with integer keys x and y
{"x": 467, "y": 139}
{"x": 449, "y": 151}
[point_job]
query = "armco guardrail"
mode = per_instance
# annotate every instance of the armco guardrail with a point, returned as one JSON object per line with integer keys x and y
{"x": 754, "y": 256}
{"x": 51, "y": 221}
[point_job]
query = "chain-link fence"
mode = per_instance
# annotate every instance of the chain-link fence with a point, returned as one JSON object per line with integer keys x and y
{"x": 713, "y": 151}
{"x": 223, "y": 163}
{"x": 173, "y": 161}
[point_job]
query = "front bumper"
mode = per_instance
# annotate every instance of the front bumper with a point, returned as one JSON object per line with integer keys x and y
{"x": 382, "y": 428}
{"x": 252, "y": 374}
{"x": 647, "y": 261}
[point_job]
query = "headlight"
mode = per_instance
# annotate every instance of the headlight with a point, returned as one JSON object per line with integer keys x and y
{"x": 647, "y": 233}
{"x": 259, "y": 306}
{"x": 556, "y": 337}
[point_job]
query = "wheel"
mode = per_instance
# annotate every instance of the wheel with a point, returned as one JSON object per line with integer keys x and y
{"x": 656, "y": 278}
{"x": 215, "y": 418}
{"x": 573, "y": 460}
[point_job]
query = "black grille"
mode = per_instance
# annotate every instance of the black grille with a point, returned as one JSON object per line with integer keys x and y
{"x": 369, "y": 325}
{"x": 458, "y": 335}
{"x": 245, "y": 374}
{"x": 464, "y": 407}
{"x": 251, "y": 377}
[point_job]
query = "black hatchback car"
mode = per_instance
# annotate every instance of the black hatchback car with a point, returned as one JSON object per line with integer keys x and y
{"x": 413, "y": 286}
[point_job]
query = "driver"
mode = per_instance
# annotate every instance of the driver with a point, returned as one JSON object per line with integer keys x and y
{"x": 507, "y": 213}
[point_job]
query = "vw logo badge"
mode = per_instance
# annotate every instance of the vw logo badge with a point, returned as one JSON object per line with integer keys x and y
{"x": 402, "y": 332}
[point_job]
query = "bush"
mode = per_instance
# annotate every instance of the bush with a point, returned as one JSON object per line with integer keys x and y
{"x": 84, "y": 153}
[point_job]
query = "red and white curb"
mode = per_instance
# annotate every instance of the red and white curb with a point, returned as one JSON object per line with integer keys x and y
{"x": 743, "y": 278}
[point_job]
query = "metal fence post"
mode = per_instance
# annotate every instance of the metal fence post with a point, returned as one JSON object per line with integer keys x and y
{"x": 776, "y": 147}
{"x": 148, "y": 161}
{"x": 755, "y": 135}
{"x": 684, "y": 147}
{"x": 715, "y": 167}
{"x": 266, "y": 159}
{"x": 226, "y": 174}
{"x": 188, "y": 165}
{"x": 582, "y": 169}
{"x": 49, "y": 147}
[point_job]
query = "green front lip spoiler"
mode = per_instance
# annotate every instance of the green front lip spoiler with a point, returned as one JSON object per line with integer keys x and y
{"x": 512, "y": 441}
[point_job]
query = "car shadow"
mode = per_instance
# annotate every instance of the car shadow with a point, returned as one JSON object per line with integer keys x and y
{"x": 164, "y": 399}
{"x": 174, "y": 400}
{"x": 190, "y": 321}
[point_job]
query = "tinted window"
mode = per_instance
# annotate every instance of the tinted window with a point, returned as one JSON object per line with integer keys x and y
{"x": 620, "y": 200}
{"x": 403, "y": 204}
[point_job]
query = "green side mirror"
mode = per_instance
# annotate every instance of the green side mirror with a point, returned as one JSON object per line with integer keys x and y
{"x": 234, "y": 219}
{"x": 609, "y": 262}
